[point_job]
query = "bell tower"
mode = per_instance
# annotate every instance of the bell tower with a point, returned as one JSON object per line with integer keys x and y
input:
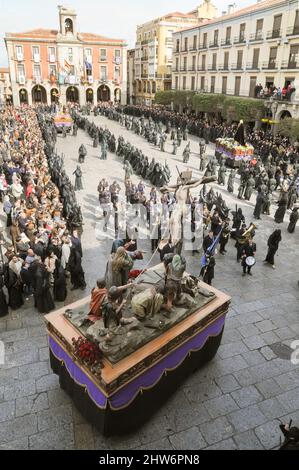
{"x": 67, "y": 21}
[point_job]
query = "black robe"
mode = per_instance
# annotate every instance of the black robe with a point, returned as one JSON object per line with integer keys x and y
{"x": 15, "y": 289}
{"x": 76, "y": 270}
{"x": 293, "y": 221}
{"x": 60, "y": 290}
{"x": 280, "y": 213}
{"x": 3, "y": 303}
{"x": 273, "y": 244}
{"x": 259, "y": 205}
{"x": 240, "y": 135}
{"x": 42, "y": 293}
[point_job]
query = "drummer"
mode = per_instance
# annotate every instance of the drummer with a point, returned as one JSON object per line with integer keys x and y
{"x": 248, "y": 257}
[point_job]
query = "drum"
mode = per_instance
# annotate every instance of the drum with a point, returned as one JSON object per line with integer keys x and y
{"x": 250, "y": 261}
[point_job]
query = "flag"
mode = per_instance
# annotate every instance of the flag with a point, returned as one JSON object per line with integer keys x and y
{"x": 67, "y": 66}
{"x": 211, "y": 250}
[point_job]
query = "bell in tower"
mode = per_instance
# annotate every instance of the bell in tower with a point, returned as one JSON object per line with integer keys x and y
{"x": 68, "y": 21}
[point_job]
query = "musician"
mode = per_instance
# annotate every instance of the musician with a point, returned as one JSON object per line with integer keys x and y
{"x": 224, "y": 237}
{"x": 249, "y": 250}
{"x": 216, "y": 223}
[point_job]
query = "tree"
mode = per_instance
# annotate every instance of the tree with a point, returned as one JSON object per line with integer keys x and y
{"x": 289, "y": 127}
{"x": 208, "y": 102}
{"x": 177, "y": 97}
{"x": 164, "y": 97}
{"x": 247, "y": 109}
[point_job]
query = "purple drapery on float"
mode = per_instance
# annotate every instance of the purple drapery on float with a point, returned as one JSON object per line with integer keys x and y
{"x": 148, "y": 379}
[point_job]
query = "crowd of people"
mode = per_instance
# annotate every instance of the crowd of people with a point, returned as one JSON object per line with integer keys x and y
{"x": 46, "y": 222}
{"x": 270, "y": 172}
{"x": 42, "y": 214}
{"x": 278, "y": 93}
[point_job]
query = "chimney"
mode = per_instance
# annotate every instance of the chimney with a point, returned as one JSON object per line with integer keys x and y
{"x": 231, "y": 8}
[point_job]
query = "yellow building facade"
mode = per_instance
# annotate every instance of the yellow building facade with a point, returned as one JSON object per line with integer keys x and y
{"x": 153, "y": 50}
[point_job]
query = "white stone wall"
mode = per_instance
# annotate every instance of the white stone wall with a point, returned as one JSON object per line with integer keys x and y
{"x": 287, "y": 8}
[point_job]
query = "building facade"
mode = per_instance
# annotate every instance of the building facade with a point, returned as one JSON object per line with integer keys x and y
{"x": 5, "y": 86}
{"x": 65, "y": 65}
{"x": 153, "y": 50}
{"x": 240, "y": 50}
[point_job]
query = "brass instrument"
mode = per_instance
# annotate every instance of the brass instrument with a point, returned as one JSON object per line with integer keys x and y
{"x": 248, "y": 235}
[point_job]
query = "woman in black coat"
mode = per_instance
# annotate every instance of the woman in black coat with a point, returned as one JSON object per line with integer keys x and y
{"x": 273, "y": 244}
{"x": 3, "y": 303}
{"x": 60, "y": 290}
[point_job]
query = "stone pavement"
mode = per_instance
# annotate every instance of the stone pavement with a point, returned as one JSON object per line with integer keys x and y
{"x": 235, "y": 402}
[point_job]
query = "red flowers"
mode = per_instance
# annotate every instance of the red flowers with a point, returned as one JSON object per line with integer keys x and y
{"x": 87, "y": 351}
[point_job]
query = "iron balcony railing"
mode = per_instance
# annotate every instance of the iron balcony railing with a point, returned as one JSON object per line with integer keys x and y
{"x": 240, "y": 39}
{"x": 293, "y": 31}
{"x": 273, "y": 34}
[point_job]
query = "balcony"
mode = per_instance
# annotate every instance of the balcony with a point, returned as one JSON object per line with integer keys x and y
{"x": 193, "y": 48}
{"x": 236, "y": 67}
{"x": 240, "y": 39}
{"x": 21, "y": 79}
{"x": 290, "y": 64}
{"x": 144, "y": 75}
{"x": 144, "y": 59}
{"x": 192, "y": 68}
{"x": 274, "y": 34}
{"x": 256, "y": 37}
{"x": 213, "y": 44}
{"x": 252, "y": 66}
{"x": 271, "y": 65}
{"x": 104, "y": 59}
{"x": 185, "y": 50}
{"x": 37, "y": 79}
{"x": 293, "y": 31}
{"x": 202, "y": 46}
{"x": 212, "y": 67}
{"x": 103, "y": 79}
{"x": 202, "y": 68}
{"x": 183, "y": 69}
{"x": 223, "y": 67}
{"x": 226, "y": 42}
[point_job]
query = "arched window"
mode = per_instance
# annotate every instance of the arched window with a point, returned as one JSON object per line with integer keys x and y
{"x": 68, "y": 26}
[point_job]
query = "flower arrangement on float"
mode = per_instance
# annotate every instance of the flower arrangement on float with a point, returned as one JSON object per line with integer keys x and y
{"x": 231, "y": 149}
{"x": 88, "y": 354}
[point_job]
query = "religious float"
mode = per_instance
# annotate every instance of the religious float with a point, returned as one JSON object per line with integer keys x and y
{"x": 63, "y": 121}
{"x": 118, "y": 384}
{"x": 234, "y": 152}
